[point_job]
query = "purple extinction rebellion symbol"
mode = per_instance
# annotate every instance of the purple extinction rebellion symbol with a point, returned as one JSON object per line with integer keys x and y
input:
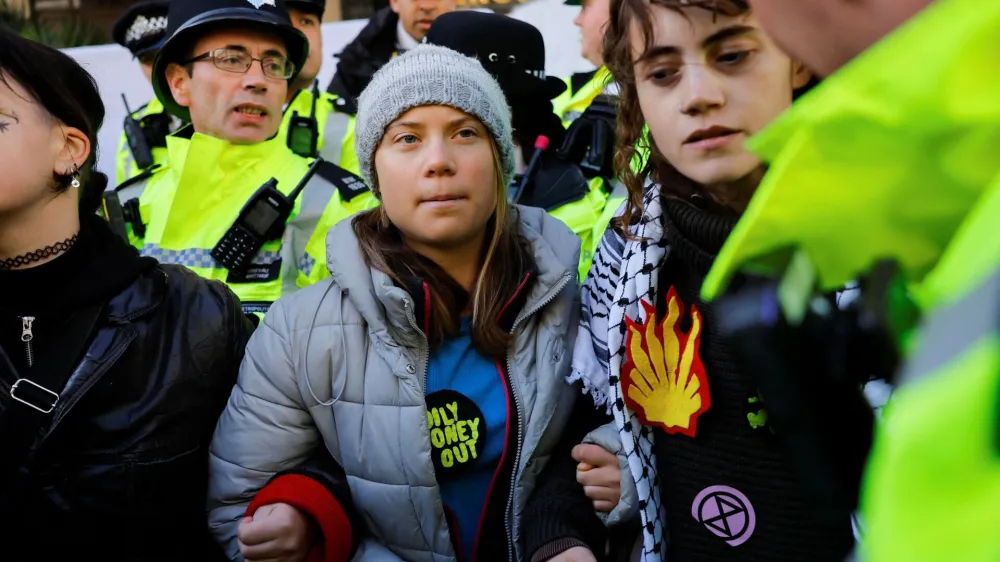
{"x": 726, "y": 512}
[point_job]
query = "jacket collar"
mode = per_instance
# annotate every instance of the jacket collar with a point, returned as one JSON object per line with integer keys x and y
{"x": 420, "y": 293}
{"x": 143, "y": 296}
{"x": 388, "y": 308}
{"x": 884, "y": 159}
{"x": 188, "y": 148}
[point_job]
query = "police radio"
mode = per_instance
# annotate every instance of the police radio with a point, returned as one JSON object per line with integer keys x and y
{"x": 141, "y": 152}
{"x": 262, "y": 218}
{"x": 303, "y": 132}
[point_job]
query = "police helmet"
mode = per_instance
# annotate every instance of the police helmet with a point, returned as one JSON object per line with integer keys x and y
{"x": 188, "y": 19}
{"x": 142, "y": 28}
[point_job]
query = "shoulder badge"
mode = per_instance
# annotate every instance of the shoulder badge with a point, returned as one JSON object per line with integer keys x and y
{"x": 348, "y": 184}
{"x": 146, "y": 174}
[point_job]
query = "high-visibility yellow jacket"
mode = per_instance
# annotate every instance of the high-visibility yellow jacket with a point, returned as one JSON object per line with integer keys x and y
{"x": 188, "y": 205}
{"x": 896, "y": 157}
{"x": 126, "y": 168}
{"x": 334, "y": 119}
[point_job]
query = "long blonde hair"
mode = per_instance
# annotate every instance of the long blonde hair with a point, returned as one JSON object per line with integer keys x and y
{"x": 505, "y": 263}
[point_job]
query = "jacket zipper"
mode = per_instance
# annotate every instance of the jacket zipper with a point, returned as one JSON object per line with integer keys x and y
{"x": 425, "y": 352}
{"x": 549, "y": 297}
{"x": 28, "y": 336}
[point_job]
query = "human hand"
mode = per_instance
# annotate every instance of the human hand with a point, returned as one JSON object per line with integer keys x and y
{"x": 599, "y": 474}
{"x": 575, "y": 554}
{"x": 277, "y": 533}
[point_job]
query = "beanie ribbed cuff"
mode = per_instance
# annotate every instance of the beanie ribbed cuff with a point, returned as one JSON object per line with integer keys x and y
{"x": 430, "y": 75}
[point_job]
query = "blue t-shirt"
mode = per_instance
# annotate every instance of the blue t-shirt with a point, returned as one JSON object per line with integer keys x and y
{"x": 467, "y": 416}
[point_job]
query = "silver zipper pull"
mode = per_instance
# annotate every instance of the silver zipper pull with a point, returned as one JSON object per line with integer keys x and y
{"x": 26, "y": 334}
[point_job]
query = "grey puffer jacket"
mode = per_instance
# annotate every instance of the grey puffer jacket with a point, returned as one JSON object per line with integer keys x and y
{"x": 342, "y": 364}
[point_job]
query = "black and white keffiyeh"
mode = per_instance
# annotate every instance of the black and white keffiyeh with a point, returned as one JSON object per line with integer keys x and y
{"x": 624, "y": 272}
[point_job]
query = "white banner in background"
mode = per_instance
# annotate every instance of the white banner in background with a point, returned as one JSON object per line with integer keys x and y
{"x": 116, "y": 73}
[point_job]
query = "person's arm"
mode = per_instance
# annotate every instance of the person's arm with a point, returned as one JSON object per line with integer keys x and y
{"x": 266, "y": 429}
{"x": 318, "y": 489}
{"x": 602, "y": 450}
{"x": 559, "y": 516}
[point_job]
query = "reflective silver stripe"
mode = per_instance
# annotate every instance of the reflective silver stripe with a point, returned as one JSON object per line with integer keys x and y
{"x": 333, "y": 136}
{"x": 315, "y": 198}
{"x": 200, "y": 257}
{"x": 133, "y": 191}
{"x": 618, "y": 190}
{"x": 949, "y": 332}
{"x": 129, "y": 164}
{"x": 306, "y": 264}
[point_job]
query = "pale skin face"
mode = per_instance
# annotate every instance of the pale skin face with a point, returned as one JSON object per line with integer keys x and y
{"x": 219, "y": 101}
{"x": 592, "y": 21}
{"x": 437, "y": 178}
{"x": 417, "y": 15}
{"x": 827, "y": 34}
{"x": 33, "y": 147}
{"x": 309, "y": 25}
{"x": 706, "y": 85}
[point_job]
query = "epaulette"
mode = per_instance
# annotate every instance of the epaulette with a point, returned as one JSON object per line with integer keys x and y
{"x": 579, "y": 80}
{"x": 344, "y": 105}
{"x": 141, "y": 108}
{"x": 146, "y": 174}
{"x": 348, "y": 184}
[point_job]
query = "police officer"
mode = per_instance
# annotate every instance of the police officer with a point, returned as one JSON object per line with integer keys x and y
{"x": 583, "y": 87}
{"x": 312, "y": 116}
{"x": 393, "y": 29}
{"x": 141, "y": 30}
{"x": 588, "y": 110}
{"x": 513, "y": 51}
{"x": 226, "y": 67}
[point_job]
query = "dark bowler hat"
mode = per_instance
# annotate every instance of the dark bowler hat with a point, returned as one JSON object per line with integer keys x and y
{"x": 188, "y": 19}
{"x": 143, "y": 27}
{"x": 511, "y": 50}
{"x": 310, "y": 6}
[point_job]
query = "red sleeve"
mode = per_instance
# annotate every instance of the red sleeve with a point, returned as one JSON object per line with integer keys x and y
{"x": 313, "y": 499}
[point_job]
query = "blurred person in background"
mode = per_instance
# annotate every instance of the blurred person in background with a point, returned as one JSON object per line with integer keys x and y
{"x": 392, "y": 30}
{"x": 113, "y": 368}
{"x": 588, "y": 108}
{"x": 583, "y": 87}
{"x": 317, "y": 122}
{"x": 911, "y": 93}
{"x": 142, "y": 30}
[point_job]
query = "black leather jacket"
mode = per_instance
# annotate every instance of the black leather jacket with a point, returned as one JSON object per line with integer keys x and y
{"x": 120, "y": 473}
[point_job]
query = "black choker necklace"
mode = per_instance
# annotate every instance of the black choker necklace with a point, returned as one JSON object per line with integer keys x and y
{"x": 38, "y": 255}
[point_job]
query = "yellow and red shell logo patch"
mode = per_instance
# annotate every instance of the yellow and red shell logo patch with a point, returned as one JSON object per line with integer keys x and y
{"x": 663, "y": 378}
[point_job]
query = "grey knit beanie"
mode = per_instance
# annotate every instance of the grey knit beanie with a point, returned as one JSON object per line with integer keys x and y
{"x": 430, "y": 75}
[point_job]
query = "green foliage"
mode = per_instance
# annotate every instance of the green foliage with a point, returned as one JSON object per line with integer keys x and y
{"x": 72, "y": 31}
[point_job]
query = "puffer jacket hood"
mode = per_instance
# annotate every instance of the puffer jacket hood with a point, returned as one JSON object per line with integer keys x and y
{"x": 378, "y": 298}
